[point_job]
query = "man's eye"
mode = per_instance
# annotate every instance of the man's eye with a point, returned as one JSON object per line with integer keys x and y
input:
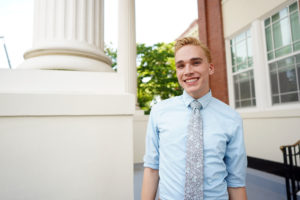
{"x": 180, "y": 66}
{"x": 197, "y": 63}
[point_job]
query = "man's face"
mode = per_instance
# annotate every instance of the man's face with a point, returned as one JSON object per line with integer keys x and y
{"x": 193, "y": 70}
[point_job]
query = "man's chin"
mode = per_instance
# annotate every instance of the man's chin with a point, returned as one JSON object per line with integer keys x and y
{"x": 193, "y": 92}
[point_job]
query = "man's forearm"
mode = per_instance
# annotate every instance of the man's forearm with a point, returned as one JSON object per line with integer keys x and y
{"x": 238, "y": 193}
{"x": 150, "y": 183}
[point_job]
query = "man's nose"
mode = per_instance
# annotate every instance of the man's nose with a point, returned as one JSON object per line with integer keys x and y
{"x": 188, "y": 69}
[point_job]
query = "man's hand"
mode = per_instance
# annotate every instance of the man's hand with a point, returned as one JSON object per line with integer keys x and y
{"x": 238, "y": 193}
{"x": 150, "y": 184}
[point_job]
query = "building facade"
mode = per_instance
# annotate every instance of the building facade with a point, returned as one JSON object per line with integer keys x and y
{"x": 262, "y": 68}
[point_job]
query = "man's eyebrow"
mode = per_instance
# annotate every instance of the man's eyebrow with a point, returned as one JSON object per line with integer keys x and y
{"x": 196, "y": 59}
{"x": 192, "y": 59}
{"x": 178, "y": 62}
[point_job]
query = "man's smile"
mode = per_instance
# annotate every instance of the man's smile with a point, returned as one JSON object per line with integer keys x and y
{"x": 191, "y": 80}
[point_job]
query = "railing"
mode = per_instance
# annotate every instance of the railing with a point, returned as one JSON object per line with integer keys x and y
{"x": 6, "y": 53}
{"x": 291, "y": 158}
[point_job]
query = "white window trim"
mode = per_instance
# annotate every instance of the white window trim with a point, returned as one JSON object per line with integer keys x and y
{"x": 260, "y": 71}
{"x": 230, "y": 86}
{"x": 230, "y": 73}
{"x": 269, "y": 106}
{"x": 260, "y": 66}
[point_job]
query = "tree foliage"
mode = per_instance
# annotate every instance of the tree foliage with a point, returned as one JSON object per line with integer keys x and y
{"x": 156, "y": 75}
{"x": 112, "y": 53}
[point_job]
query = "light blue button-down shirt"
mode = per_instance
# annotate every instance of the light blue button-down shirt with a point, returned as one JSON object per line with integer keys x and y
{"x": 225, "y": 158}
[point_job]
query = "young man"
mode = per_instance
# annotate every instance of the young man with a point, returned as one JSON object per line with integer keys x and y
{"x": 202, "y": 159}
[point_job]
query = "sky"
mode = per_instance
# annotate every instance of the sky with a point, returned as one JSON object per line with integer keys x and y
{"x": 156, "y": 21}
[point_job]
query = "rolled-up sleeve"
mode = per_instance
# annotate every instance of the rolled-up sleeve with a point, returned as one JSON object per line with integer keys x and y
{"x": 236, "y": 158}
{"x": 151, "y": 157}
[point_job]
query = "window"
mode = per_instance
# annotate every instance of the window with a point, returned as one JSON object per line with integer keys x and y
{"x": 282, "y": 32}
{"x": 242, "y": 69}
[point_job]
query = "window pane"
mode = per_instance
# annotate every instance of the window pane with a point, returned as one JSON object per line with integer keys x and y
{"x": 275, "y": 99}
{"x": 252, "y": 84}
{"x": 295, "y": 26}
{"x": 242, "y": 66}
{"x": 270, "y": 56}
{"x": 232, "y": 55}
{"x": 281, "y": 33}
{"x": 246, "y": 103}
{"x": 283, "y": 13}
{"x": 234, "y": 69}
{"x": 283, "y": 51}
{"x": 289, "y": 97}
{"x": 250, "y": 61}
{"x": 297, "y": 46}
{"x": 249, "y": 50}
{"x": 269, "y": 39}
{"x": 287, "y": 79}
{"x": 273, "y": 67}
{"x": 236, "y": 88}
{"x": 237, "y": 104}
{"x": 244, "y": 85}
{"x": 285, "y": 62}
{"x": 274, "y": 83}
{"x": 293, "y": 7}
{"x": 297, "y": 58}
{"x": 273, "y": 77}
{"x": 241, "y": 52}
{"x": 298, "y": 73}
{"x": 267, "y": 22}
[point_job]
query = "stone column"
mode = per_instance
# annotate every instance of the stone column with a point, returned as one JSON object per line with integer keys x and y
{"x": 127, "y": 45}
{"x": 68, "y": 35}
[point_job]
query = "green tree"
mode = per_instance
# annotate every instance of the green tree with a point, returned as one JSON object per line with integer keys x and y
{"x": 156, "y": 73}
{"x": 112, "y": 53}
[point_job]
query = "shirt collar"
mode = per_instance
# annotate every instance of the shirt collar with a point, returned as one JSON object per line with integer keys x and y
{"x": 187, "y": 99}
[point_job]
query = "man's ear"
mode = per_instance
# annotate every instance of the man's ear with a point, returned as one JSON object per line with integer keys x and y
{"x": 211, "y": 69}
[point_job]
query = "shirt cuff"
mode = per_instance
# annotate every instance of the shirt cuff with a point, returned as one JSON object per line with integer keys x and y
{"x": 235, "y": 184}
{"x": 152, "y": 166}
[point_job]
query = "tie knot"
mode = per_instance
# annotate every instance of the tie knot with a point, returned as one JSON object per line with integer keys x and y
{"x": 196, "y": 105}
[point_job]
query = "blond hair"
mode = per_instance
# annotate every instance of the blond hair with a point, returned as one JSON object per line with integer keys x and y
{"x": 192, "y": 41}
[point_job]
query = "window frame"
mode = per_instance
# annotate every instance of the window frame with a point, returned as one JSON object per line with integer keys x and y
{"x": 270, "y": 104}
{"x": 261, "y": 70}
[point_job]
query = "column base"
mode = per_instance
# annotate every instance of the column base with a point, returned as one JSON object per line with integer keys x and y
{"x": 65, "y": 62}
{"x": 75, "y": 58}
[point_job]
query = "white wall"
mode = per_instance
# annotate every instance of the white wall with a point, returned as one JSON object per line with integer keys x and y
{"x": 139, "y": 137}
{"x": 266, "y": 126}
{"x": 66, "y": 157}
{"x": 60, "y": 140}
{"x": 238, "y": 14}
{"x": 266, "y": 131}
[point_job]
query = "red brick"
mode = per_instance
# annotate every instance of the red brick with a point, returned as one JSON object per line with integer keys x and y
{"x": 211, "y": 33}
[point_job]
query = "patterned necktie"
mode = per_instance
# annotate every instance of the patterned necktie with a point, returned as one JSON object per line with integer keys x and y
{"x": 194, "y": 156}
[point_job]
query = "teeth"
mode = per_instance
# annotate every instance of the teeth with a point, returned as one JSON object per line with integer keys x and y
{"x": 191, "y": 80}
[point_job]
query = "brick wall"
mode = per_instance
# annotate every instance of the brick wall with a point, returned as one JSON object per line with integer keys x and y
{"x": 211, "y": 33}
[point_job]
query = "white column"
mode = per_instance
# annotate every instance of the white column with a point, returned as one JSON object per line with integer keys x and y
{"x": 127, "y": 45}
{"x": 261, "y": 74}
{"x": 68, "y": 34}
